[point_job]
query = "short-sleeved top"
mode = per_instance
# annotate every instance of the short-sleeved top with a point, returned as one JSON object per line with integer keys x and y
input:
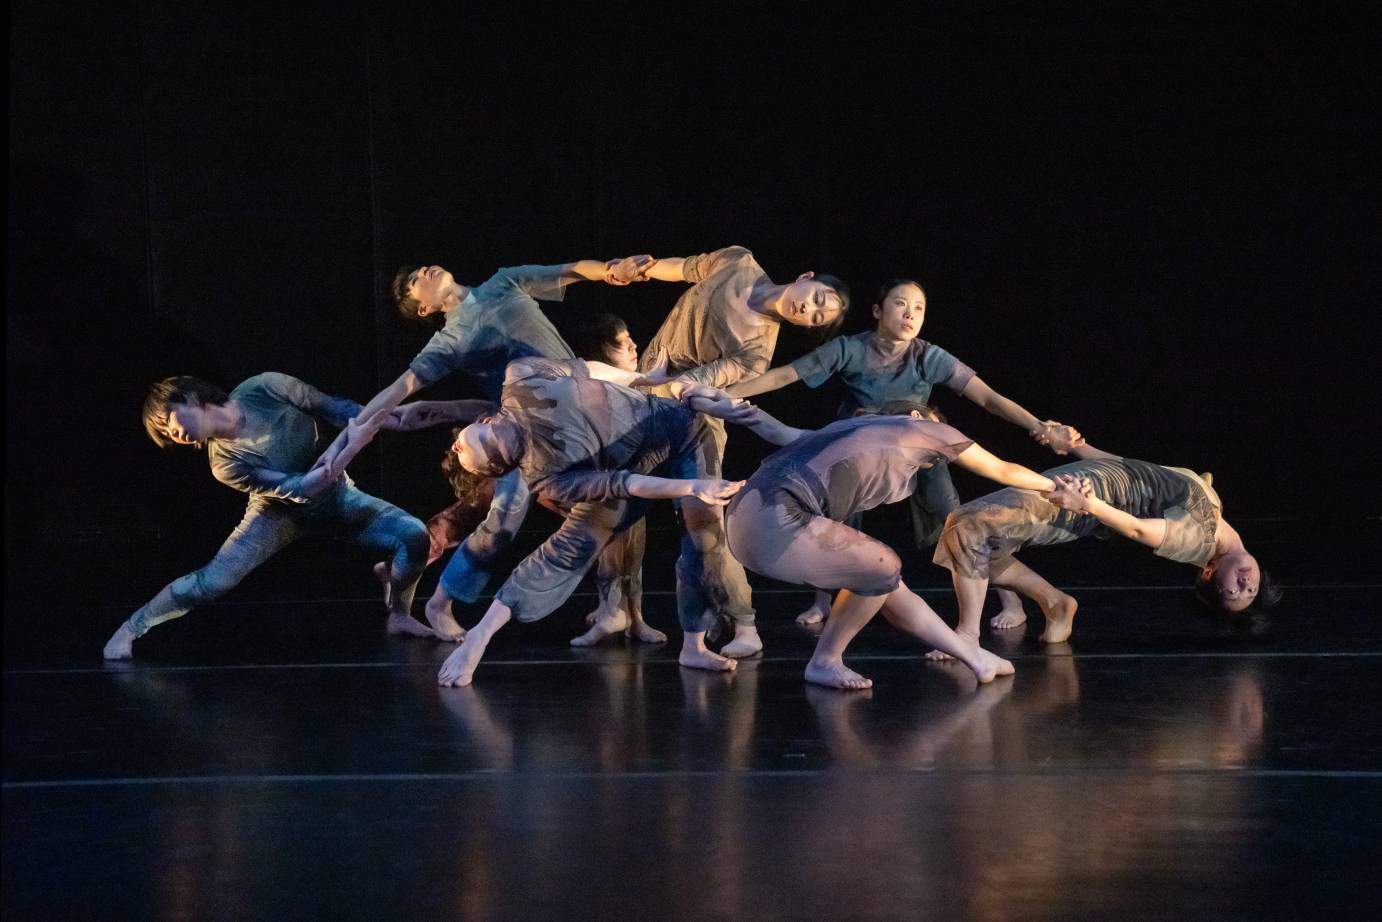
{"x": 499, "y": 321}
{"x": 873, "y": 376}
{"x": 853, "y": 465}
{"x": 1187, "y": 503}
{"x": 712, "y": 335}
{"x": 583, "y": 437}
{"x": 279, "y": 436}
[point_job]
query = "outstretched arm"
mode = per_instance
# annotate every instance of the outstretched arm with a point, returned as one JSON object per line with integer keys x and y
{"x": 666, "y": 269}
{"x": 341, "y": 451}
{"x": 1075, "y": 494}
{"x": 779, "y": 377}
{"x": 715, "y": 402}
{"x": 612, "y": 272}
{"x": 711, "y": 492}
{"x": 1059, "y": 438}
{"x": 986, "y": 464}
{"x": 422, "y": 414}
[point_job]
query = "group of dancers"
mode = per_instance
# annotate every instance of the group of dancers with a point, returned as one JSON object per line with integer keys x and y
{"x": 599, "y": 436}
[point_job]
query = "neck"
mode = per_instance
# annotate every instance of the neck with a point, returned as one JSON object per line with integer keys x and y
{"x": 1226, "y": 539}
{"x": 459, "y": 292}
{"x": 889, "y": 343}
{"x": 228, "y": 419}
{"x": 764, "y": 297}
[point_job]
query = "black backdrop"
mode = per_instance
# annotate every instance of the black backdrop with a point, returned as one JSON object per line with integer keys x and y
{"x": 1161, "y": 229}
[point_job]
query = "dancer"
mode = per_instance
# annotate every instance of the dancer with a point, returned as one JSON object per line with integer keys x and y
{"x": 261, "y": 439}
{"x": 484, "y": 328}
{"x": 1172, "y": 510}
{"x": 723, "y": 330}
{"x": 889, "y": 364}
{"x": 601, "y": 449}
{"x": 787, "y": 523}
{"x": 604, "y": 338}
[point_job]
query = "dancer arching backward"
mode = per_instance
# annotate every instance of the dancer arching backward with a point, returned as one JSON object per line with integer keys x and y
{"x": 723, "y": 330}
{"x": 601, "y": 449}
{"x": 262, "y": 438}
{"x": 1172, "y": 510}
{"x": 891, "y": 363}
{"x": 484, "y": 328}
{"x": 786, "y": 523}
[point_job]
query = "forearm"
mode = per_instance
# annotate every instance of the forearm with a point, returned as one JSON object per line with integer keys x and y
{"x": 1090, "y": 453}
{"x": 601, "y": 371}
{"x": 390, "y": 397}
{"x": 422, "y": 414}
{"x": 771, "y": 380}
{"x": 771, "y": 429}
{"x": 1010, "y": 410}
{"x": 588, "y": 270}
{"x": 645, "y": 487}
{"x": 1144, "y": 531}
{"x": 667, "y": 269}
{"x": 982, "y": 462}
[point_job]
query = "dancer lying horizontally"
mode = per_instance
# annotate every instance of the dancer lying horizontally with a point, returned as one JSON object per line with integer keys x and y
{"x": 891, "y": 363}
{"x": 262, "y": 438}
{"x": 723, "y": 330}
{"x": 787, "y": 523}
{"x": 1172, "y": 510}
{"x": 602, "y": 450}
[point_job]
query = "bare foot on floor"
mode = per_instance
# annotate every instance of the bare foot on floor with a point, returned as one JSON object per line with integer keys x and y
{"x": 381, "y": 573}
{"x": 1008, "y": 619}
{"x": 813, "y": 615}
{"x": 642, "y": 632}
{"x": 834, "y": 674}
{"x": 746, "y": 642}
{"x": 404, "y": 623}
{"x": 938, "y": 656}
{"x": 605, "y": 624}
{"x": 989, "y": 666}
{"x": 444, "y": 626}
{"x": 705, "y": 659}
{"x": 120, "y": 645}
{"x": 1060, "y": 618}
{"x": 460, "y": 665}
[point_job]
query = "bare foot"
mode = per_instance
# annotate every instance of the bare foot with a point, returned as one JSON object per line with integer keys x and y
{"x": 705, "y": 659}
{"x": 746, "y": 642}
{"x": 1060, "y": 618}
{"x": 381, "y": 573}
{"x": 404, "y": 623}
{"x": 937, "y": 656}
{"x": 460, "y": 665}
{"x": 988, "y": 666}
{"x": 606, "y": 624}
{"x": 444, "y": 626}
{"x": 121, "y": 643}
{"x": 642, "y": 632}
{"x": 834, "y": 674}
{"x": 813, "y": 615}
{"x": 1007, "y": 619}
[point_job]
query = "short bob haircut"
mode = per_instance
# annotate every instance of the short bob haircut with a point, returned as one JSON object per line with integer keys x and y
{"x": 180, "y": 390}
{"x": 595, "y": 333}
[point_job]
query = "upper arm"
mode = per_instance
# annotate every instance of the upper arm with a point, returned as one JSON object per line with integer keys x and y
{"x": 335, "y": 410}
{"x": 816, "y": 367}
{"x": 542, "y": 283}
{"x": 699, "y": 267}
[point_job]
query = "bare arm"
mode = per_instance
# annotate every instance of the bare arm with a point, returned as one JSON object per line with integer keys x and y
{"x": 667, "y": 269}
{"x": 341, "y": 451}
{"x": 984, "y": 463}
{"x": 1087, "y": 452}
{"x": 421, "y": 414}
{"x": 1075, "y": 494}
{"x": 711, "y": 492}
{"x": 1061, "y": 439}
{"x": 714, "y": 402}
{"x": 772, "y": 380}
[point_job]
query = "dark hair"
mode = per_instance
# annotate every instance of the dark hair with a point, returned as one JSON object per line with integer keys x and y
{"x": 409, "y": 306}
{"x": 465, "y": 486}
{"x": 180, "y": 390}
{"x": 1268, "y": 594}
{"x": 595, "y": 333}
{"x": 836, "y": 284}
{"x": 893, "y": 283}
{"x": 903, "y": 407}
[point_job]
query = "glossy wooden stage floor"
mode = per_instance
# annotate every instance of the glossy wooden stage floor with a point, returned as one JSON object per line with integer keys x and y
{"x": 1160, "y": 765}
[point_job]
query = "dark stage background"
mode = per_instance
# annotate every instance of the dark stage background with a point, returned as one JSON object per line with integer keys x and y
{"x": 1163, "y": 230}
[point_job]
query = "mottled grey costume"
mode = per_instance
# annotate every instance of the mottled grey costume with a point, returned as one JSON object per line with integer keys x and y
{"x": 577, "y": 441}
{"x": 875, "y": 372}
{"x": 981, "y": 536}
{"x": 278, "y": 444}
{"x": 786, "y": 521}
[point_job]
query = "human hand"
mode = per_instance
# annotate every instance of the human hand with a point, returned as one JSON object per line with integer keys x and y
{"x": 715, "y": 492}
{"x": 627, "y": 270}
{"x": 657, "y": 375}
{"x": 1071, "y": 492}
{"x": 316, "y": 481}
{"x": 1058, "y": 437}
